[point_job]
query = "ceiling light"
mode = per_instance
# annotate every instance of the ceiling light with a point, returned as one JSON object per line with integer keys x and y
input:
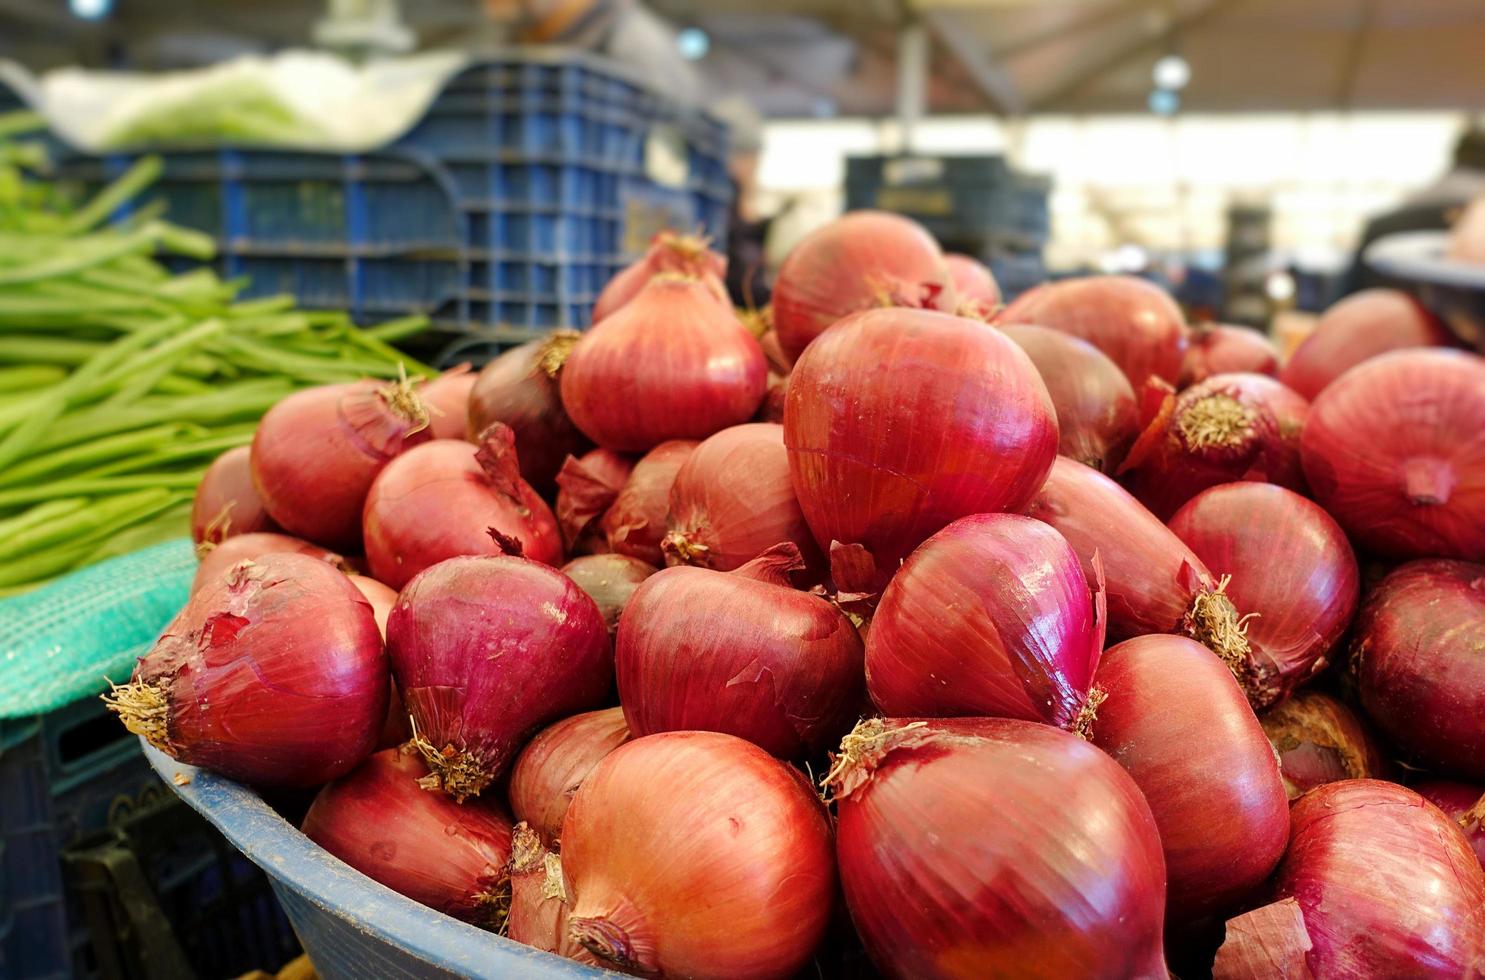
{"x": 694, "y": 43}
{"x": 91, "y": 9}
{"x": 1172, "y": 72}
{"x": 1164, "y": 102}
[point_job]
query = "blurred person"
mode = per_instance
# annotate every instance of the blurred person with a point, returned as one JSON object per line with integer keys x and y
{"x": 748, "y": 279}
{"x": 624, "y": 30}
{"x": 1434, "y": 208}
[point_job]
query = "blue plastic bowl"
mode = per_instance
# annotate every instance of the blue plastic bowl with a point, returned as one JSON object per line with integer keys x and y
{"x": 352, "y": 927}
{"x": 1454, "y": 291}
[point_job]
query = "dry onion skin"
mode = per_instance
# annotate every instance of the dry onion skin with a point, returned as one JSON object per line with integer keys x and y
{"x": 521, "y": 389}
{"x": 1319, "y": 740}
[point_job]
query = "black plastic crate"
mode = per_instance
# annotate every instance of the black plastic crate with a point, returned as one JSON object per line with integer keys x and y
{"x": 956, "y": 196}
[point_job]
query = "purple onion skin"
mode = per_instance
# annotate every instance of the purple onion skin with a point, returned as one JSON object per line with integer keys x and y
{"x": 1464, "y": 803}
{"x": 995, "y": 613}
{"x": 487, "y": 649}
{"x": 1418, "y": 658}
{"x": 515, "y": 389}
{"x": 1388, "y": 884}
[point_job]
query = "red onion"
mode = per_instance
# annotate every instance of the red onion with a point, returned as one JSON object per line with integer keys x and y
{"x": 774, "y": 400}
{"x": 1292, "y": 571}
{"x": 740, "y": 652}
{"x": 733, "y": 500}
{"x": 1097, "y": 415}
{"x": 778, "y": 362}
{"x": 1464, "y": 803}
{"x": 1418, "y": 659}
{"x": 976, "y": 847}
{"x": 538, "y": 898}
{"x": 449, "y": 857}
{"x": 1155, "y": 583}
{"x": 860, "y": 261}
{"x": 973, "y": 282}
{"x": 554, "y": 764}
{"x": 381, "y": 598}
{"x": 1358, "y": 328}
{"x": 586, "y": 489}
{"x": 990, "y": 616}
{"x": 1388, "y": 884}
{"x": 521, "y": 388}
{"x": 1395, "y": 450}
{"x": 1319, "y": 740}
{"x": 696, "y": 854}
{"x": 226, "y": 501}
{"x": 900, "y": 421}
{"x": 688, "y": 255}
{"x": 1267, "y": 942}
{"x": 218, "y": 560}
{"x": 672, "y": 363}
{"x": 1220, "y": 349}
{"x": 443, "y": 499}
{"x": 317, "y": 451}
{"x": 1134, "y": 322}
{"x": 273, "y": 675}
{"x": 610, "y": 580}
{"x": 1225, "y": 429}
{"x": 484, "y": 651}
{"x": 447, "y": 399}
{"x": 635, "y": 523}
{"x": 1178, "y": 723}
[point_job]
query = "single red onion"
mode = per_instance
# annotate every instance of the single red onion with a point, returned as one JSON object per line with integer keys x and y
{"x": 689, "y": 255}
{"x": 973, "y": 281}
{"x": 227, "y": 503}
{"x": 538, "y": 898}
{"x": 218, "y": 560}
{"x": 610, "y": 580}
{"x": 672, "y": 363}
{"x": 1464, "y": 803}
{"x": 586, "y": 489}
{"x": 451, "y": 857}
{"x": 316, "y": 453}
{"x": 273, "y": 674}
{"x": 1156, "y": 584}
{"x": 860, "y": 261}
{"x": 774, "y": 400}
{"x": 976, "y": 847}
{"x": 697, "y": 854}
{"x": 1219, "y": 349}
{"x": 733, "y": 500}
{"x": 1418, "y": 660}
{"x": 1388, "y": 885}
{"x": 1395, "y": 450}
{"x": 1270, "y": 941}
{"x": 554, "y": 764}
{"x": 1177, "y": 721}
{"x": 1293, "y": 572}
{"x": 1356, "y": 329}
{"x": 1134, "y": 322}
{"x": 487, "y": 649}
{"x": 741, "y": 652}
{"x": 990, "y": 616}
{"x": 635, "y": 523}
{"x": 900, "y": 421}
{"x": 1097, "y": 415}
{"x": 522, "y": 389}
{"x": 447, "y": 400}
{"x": 443, "y": 499}
{"x": 1319, "y": 740}
{"x": 1225, "y": 429}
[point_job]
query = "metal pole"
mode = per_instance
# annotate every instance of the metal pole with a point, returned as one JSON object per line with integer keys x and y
{"x": 912, "y": 79}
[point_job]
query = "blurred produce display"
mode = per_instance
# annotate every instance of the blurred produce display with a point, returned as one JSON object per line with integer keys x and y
{"x": 120, "y": 380}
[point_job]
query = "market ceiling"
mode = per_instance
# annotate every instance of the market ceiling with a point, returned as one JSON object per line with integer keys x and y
{"x": 837, "y": 57}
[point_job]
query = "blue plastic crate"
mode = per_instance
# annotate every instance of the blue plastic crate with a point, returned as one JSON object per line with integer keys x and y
{"x": 63, "y": 775}
{"x": 378, "y": 235}
{"x": 352, "y": 927}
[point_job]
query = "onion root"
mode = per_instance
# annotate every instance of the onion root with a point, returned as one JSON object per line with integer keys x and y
{"x": 144, "y": 710}
{"x": 1216, "y": 422}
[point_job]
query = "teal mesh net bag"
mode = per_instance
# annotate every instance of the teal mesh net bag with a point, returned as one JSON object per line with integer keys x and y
{"x": 60, "y": 642}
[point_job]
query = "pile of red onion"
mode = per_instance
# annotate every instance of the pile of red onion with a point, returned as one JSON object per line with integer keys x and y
{"x": 1109, "y": 650}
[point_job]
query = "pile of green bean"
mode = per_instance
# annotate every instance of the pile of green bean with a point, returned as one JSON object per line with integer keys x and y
{"x": 120, "y": 381}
